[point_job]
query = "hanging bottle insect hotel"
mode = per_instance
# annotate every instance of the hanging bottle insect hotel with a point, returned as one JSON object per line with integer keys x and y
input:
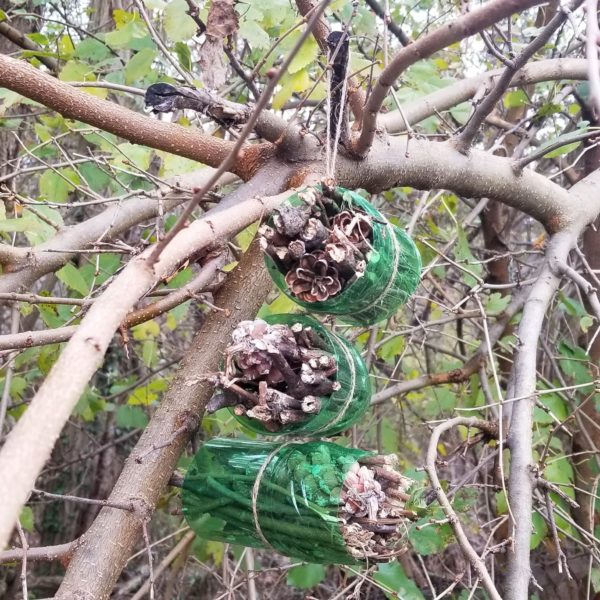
{"x": 288, "y": 374}
{"x": 314, "y": 501}
{"x": 331, "y": 251}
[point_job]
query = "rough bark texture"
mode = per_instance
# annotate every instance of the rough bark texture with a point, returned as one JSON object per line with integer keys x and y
{"x": 116, "y": 533}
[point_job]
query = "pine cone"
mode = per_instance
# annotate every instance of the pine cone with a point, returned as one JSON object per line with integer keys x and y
{"x": 313, "y": 279}
{"x": 355, "y": 226}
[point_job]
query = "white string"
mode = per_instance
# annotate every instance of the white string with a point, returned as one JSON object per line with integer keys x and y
{"x": 340, "y": 123}
{"x": 350, "y": 397}
{"x": 328, "y": 168}
{"x": 255, "y": 490}
{"x": 392, "y": 279}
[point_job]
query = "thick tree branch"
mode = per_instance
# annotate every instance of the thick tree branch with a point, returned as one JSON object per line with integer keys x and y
{"x": 521, "y": 479}
{"x": 554, "y": 69}
{"x": 114, "y": 534}
{"x": 37, "y": 430}
{"x": 397, "y": 162}
{"x": 72, "y": 103}
{"x": 462, "y": 27}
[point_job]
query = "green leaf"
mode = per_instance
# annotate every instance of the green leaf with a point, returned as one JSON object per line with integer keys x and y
{"x": 129, "y": 28}
{"x": 429, "y": 539}
{"x": 65, "y": 47}
{"x": 595, "y": 578}
{"x": 305, "y": 56}
{"x": 461, "y": 112}
{"x": 306, "y": 576}
{"x": 555, "y": 404}
{"x": 179, "y": 26}
{"x": 465, "y": 257}
{"x": 26, "y": 519}
{"x": 297, "y": 82}
{"x": 515, "y": 99}
{"x": 175, "y": 165}
{"x": 391, "y": 348}
{"x": 139, "y": 66}
{"x": 585, "y": 323}
{"x": 392, "y": 576}
{"x": 92, "y": 50}
{"x": 568, "y": 143}
{"x": 563, "y": 150}
{"x": 559, "y": 470}
{"x": 496, "y": 303}
{"x": 131, "y": 417}
{"x": 145, "y": 331}
{"x": 575, "y": 363}
{"x": 571, "y": 306}
{"x": 140, "y": 156}
{"x": 96, "y": 178}
{"x": 184, "y": 55}
{"x": 255, "y": 35}
{"x": 73, "y": 279}
{"x": 22, "y": 225}
{"x": 76, "y": 71}
{"x": 539, "y": 532}
{"x": 53, "y": 187}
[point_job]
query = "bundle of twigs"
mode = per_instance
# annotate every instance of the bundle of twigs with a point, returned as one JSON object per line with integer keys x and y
{"x": 319, "y": 246}
{"x": 372, "y": 512}
{"x": 275, "y": 373}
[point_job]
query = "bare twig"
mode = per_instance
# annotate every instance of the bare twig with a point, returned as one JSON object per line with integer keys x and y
{"x": 230, "y": 159}
{"x": 591, "y": 49}
{"x": 180, "y": 548}
{"x": 562, "y": 559}
{"x": 24, "y": 549}
{"x": 464, "y": 26}
{"x": 467, "y": 549}
{"x": 465, "y": 139}
{"x": 150, "y": 560}
{"x": 67, "y": 498}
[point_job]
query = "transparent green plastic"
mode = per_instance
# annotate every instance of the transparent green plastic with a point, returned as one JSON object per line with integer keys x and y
{"x": 390, "y": 278}
{"x": 342, "y": 408}
{"x": 295, "y": 502}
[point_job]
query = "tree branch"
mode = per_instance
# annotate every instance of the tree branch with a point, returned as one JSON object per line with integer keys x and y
{"x": 554, "y": 69}
{"x": 40, "y": 426}
{"x": 397, "y": 162}
{"x": 392, "y": 26}
{"x": 468, "y": 551}
{"x": 521, "y": 479}
{"x": 24, "y": 266}
{"x": 20, "y": 39}
{"x": 465, "y": 139}
{"x": 72, "y": 103}
{"x": 462, "y": 27}
{"x": 113, "y": 535}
